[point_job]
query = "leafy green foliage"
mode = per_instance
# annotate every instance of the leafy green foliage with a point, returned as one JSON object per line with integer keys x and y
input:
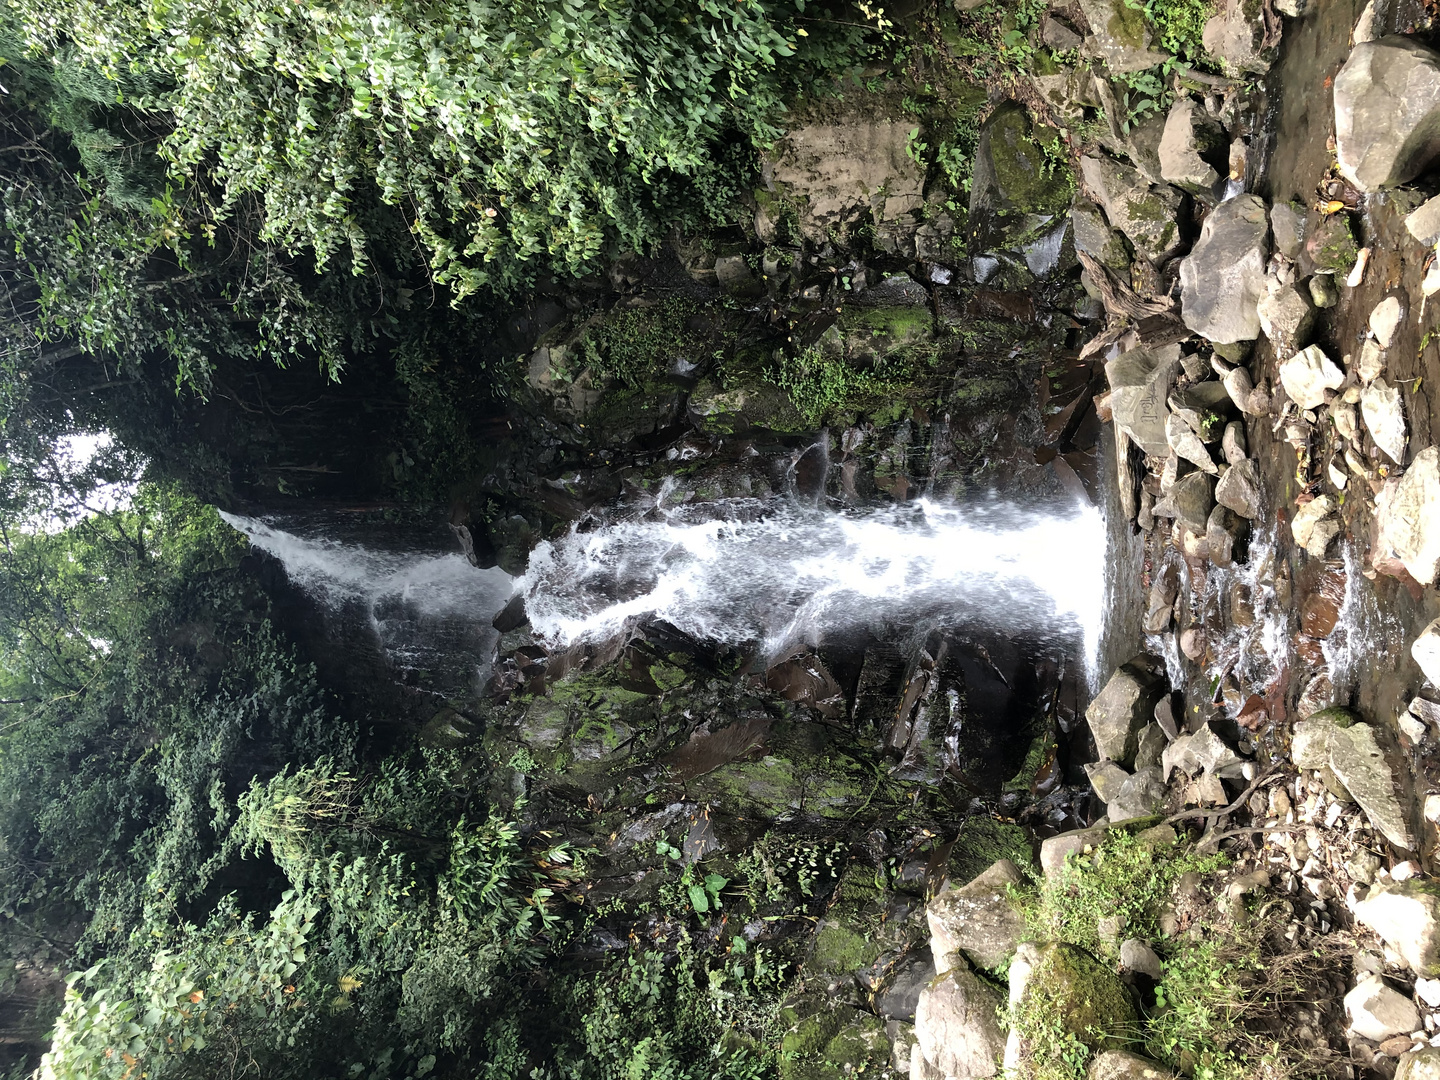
{"x": 515, "y": 137}
{"x": 825, "y": 388}
{"x": 1127, "y": 876}
{"x": 1179, "y": 24}
{"x": 636, "y": 345}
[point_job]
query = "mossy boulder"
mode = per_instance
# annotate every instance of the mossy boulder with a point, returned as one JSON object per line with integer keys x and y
{"x": 1020, "y": 183}
{"x": 1070, "y": 997}
{"x": 756, "y": 404}
{"x": 833, "y": 1042}
{"x": 1331, "y": 245}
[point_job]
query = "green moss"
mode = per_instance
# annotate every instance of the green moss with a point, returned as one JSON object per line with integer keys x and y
{"x": 840, "y": 948}
{"x": 667, "y": 677}
{"x": 1333, "y": 246}
{"x": 860, "y": 1047}
{"x": 1128, "y": 25}
{"x": 1030, "y": 176}
{"x": 983, "y": 841}
{"x": 810, "y": 1034}
{"x": 1072, "y": 1005}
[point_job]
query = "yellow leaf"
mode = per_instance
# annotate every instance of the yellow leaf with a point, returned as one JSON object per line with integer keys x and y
{"x": 349, "y": 984}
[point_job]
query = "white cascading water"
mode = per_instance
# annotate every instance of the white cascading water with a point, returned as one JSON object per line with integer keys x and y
{"x": 778, "y": 576}
{"x": 431, "y": 612}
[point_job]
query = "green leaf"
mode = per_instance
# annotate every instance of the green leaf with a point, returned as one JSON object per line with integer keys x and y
{"x": 698, "y": 900}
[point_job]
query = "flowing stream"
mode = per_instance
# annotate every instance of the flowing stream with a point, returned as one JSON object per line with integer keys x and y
{"x": 768, "y": 575}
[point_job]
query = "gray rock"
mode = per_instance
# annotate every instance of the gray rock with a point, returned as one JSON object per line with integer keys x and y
{"x": 1424, "y": 221}
{"x": 1286, "y": 316}
{"x": 957, "y": 1030}
{"x": 1163, "y": 590}
{"x": 1120, "y": 36}
{"x": 1406, "y": 915}
{"x": 1147, "y": 214}
{"x": 978, "y": 919}
{"x": 1376, "y": 1012}
{"x": 1123, "y": 1065}
{"x": 1058, "y": 36}
{"x": 1419, "y": 1064}
{"x": 1307, "y": 375}
{"x": 1054, "y": 850}
{"x": 1314, "y": 525}
{"x": 1122, "y": 708}
{"x": 1387, "y": 318}
{"x": 1372, "y": 361}
{"x": 1329, "y": 741}
{"x": 1141, "y": 794}
{"x": 1387, "y": 112}
{"x": 1223, "y": 530}
{"x": 1106, "y": 778}
{"x": 1358, "y": 762}
{"x": 904, "y": 983}
{"x": 1202, "y": 752}
{"x": 1408, "y": 518}
{"x": 1191, "y": 135}
{"x": 1242, "y": 391}
{"x": 1223, "y": 278}
{"x": 1287, "y": 225}
{"x": 1150, "y": 747}
{"x": 1236, "y": 35}
{"x": 1425, "y": 650}
{"x": 1205, "y": 407}
{"x": 1140, "y": 384}
{"x": 1232, "y": 444}
{"x": 1096, "y": 238}
{"x": 734, "y": 276}
{"x": 1187, "y": 445}
{"x": 1138, "y": 956}
{"x": 1189, "y": 501}
{"x": 1323, "y": 293}
{"x": 1384, "y": 416}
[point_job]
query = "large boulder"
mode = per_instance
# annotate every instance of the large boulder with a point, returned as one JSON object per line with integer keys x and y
{"x": 1054, "y": 850}
{"x": 1192, "y": 139}
{"x": 1189, "y": 501}
{"x": 1307, "y": 375}
{"x": 1146, "y": 213}
{"x": 1223, "y": 278}
{"x": 1239, "y": 490}
{"x": 1097, "y": 238}
{"x": 1377, "y": 1012}
{"x": 978, "y": 919}
{"x": 1423, "y": 1064}
{"x": 1016, "y": 190}
{"x": 1123, "y": 708}
{"x": 1120, "y": 35}
{"x": 1286, "y": 316}
{"x": 1406, "y": 915}
{"x": 1426, "y": 651}
{"x": 957, "y": 1027}
{"x": 1236, "y": 35}
{"x": 1140, "y": 383}
{"x": 1387, "y": 112}
{"x": 1140, "y": 796}
{"x": 1329, "y": 741}
{"x": 1080, "y": 994}
{"x": 851, "y": 171}
{"x": 1123, "y": 1065}
{"x": 1384, "y": 416}
{"x": 1408, "y": 517}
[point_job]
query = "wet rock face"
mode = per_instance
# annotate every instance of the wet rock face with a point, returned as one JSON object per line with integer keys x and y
{"x": 1223, "y": 278}
{"x": 1387, "y": 112}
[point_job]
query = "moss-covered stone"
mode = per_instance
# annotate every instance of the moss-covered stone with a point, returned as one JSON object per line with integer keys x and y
{"x": 1018, "y": 187}
{"x": 841, "y": 947}
{"x": 1072, "y": 993}
{"x": 1332, "y": 245}
{"x": 758, "y": 403}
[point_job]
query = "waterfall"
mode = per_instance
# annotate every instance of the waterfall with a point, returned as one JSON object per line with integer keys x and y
{"x": 430, "y": 612}
{"x": 769, "y": 575}
{"x": 778, "y": 576}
